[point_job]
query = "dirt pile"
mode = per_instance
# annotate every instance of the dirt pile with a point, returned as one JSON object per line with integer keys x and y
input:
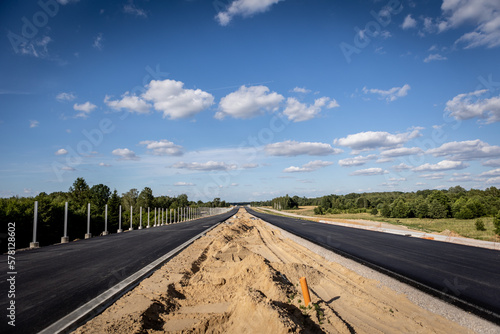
{"x": 243, "y": 278}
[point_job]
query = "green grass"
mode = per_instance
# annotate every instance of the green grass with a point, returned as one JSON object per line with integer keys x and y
{"x": 463, "y": 227}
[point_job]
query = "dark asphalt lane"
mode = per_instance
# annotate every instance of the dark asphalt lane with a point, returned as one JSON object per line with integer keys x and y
{"x": 53, "y": 281}
{"x": 462, "y": 275}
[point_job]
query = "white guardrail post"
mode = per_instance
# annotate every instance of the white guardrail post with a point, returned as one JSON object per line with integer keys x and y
{"x": 65, "y": 238}
{"x": 88, "y": 235}
{"x": 148, "y": 219}
{"x": 105, "y": 232}
{"x": 120, "y": 220}
{"x": 35, "y": 243}
{"x": 131, "y": 218}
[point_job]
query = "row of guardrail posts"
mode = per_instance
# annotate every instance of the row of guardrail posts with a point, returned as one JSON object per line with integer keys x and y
{"x": 161, "y": 218}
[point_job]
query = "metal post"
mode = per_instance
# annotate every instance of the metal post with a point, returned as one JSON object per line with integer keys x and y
{"x": 140, "y": 218}
{"x": 65, "y": 238}
{"x": 88, "y": 235}
{"x": 120, "y": 220}
{"x": 35, "y": 244}
{"x": 131, "y": 218}
{"x": 148, "y": 218}
{"x": 105, "y": 220}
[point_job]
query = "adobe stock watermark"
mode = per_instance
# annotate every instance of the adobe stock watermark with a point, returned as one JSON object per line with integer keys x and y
{"x": 372, "y": 29}
{"x": 250, "y": 149}
{"x": 94, "y": 138}
{"x": 31, "y": 27}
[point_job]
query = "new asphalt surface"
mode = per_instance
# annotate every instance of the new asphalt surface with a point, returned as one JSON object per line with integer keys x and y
{"x": 53, "y": 281}
{"x": 466, "y": 276}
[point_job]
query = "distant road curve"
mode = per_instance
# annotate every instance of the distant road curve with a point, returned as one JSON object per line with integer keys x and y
{"x": 53, "y": 281}
{"x": 468, "y": 277}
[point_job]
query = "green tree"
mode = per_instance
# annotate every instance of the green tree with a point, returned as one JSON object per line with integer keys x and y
{"x": 79, "y": 192}
{"x": 182, "y": 200}
{"x": 113, "y": 210}
{"x": 399, "y": 209}
{"x": 146, "y": 198}
{"x": 130, "y": 198}
{"x": 385, "y": 211}
{"x": 421, "y": 208}
{"x": 437, "y": 210}
{"x": 99, "y": 196}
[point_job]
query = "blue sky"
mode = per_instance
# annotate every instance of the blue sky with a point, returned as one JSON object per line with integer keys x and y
{"x": 249, "y": 99}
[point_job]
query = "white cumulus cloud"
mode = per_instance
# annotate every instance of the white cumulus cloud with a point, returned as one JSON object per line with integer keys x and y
{"x": 308, "y": 167}
{"x": 243, "y": 8}
{"x": 205, "y": 166}
{"x": 61, "y": 151}
{"x": 162, "y": 147}
{"x": 131, "y": 103}
{"x": 183, "y": 184}
{"x": 409, "y": 22}
{"x": 301, "y": 90}
{"x": 62, "y": 97}
{"x": 433, "y": 57}
{"x": 248, "y": 102}
{"x": 299, "y": 112}
{"x": 291, "y": 148}
{"x": 369, "y": 172}
{"x": 174, "y": 101}
{"x": 440, "y": 166}
{"x": 84, "y": 109}
{"x": 470, "y": 105}
{"x": 125, "y": 154}
{"x": 483, "y": 14}
{"x": 356, "y": 161}
{"x": 390, "y": 94}
{"x": 466, "y": 150}
{"x": 401, "y": 151}
{"x": 371, "y": 140}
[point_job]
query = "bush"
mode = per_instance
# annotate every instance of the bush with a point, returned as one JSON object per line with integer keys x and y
{"x": 496, "y": 223}
{"x": 374, "y": 211}
{"x": 318, "y": 210}
{"x": 480, "y": 225}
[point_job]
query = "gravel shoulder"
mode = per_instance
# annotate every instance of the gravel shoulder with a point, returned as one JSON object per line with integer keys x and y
{"x": 242, "y": 277}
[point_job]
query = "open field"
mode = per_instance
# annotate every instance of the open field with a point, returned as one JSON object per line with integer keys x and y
{"x": 457, "y": 227}
{"x": 242, "y": 277}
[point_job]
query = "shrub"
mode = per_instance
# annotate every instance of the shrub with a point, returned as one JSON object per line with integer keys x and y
{"x": 318, "y": 210}
{"x": 480, "y": 225}
{"x": 374, "y": 211}
{"x": 496, "y": 223}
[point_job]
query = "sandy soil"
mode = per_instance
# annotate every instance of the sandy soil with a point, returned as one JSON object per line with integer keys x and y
{"x": 243, "y": 277}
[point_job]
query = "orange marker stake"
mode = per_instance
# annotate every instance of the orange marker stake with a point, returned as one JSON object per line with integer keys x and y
{"x": 305, "y": 291}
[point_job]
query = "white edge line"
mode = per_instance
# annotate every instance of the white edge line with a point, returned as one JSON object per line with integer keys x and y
{"x": 64, "y": 323}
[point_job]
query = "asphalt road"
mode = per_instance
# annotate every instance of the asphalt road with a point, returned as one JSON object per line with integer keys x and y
{"x": 466, "y": 276}
{"x": 53, "y": 281}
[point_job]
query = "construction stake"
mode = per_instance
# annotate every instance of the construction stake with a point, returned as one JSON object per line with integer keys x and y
{"x": 305, "y": 291}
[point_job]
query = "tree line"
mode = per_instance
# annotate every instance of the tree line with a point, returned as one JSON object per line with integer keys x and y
{"x": 51, "y": 211}
{"x": 455, "y": 202}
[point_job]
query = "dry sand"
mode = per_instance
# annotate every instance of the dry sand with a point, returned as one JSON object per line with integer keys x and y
{"x": 243, "y": 277}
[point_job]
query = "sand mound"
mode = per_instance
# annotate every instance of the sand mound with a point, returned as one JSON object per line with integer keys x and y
{"x": 243, "y": 278}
